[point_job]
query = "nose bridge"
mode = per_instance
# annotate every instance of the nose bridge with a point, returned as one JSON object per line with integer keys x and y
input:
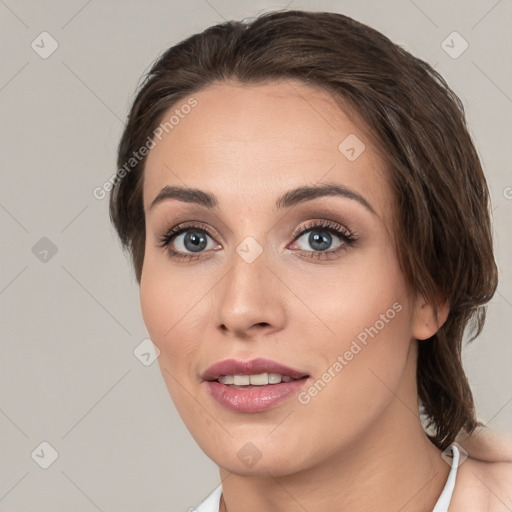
{"x": 249, "y": 294}
{"x": 249, "y": 271}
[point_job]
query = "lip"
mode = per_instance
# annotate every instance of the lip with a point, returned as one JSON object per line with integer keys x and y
{"x": 251, "y": 367}
{"x": 252, "y": 399}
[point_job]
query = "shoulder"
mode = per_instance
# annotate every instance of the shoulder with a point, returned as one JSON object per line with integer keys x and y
{"x": 484, "y": 479}
{"x": 487, "y": 445}
{"x": 483, "y": 487}
{"x": 497, "y": 476}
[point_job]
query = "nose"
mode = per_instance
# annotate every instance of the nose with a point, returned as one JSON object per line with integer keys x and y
{"x": 249, "y": 300}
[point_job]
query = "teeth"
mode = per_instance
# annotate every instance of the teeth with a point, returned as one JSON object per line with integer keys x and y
{"x": 260, "y": 379}
{"x": 274, "y": 378}
{"x": 242, "y": 380}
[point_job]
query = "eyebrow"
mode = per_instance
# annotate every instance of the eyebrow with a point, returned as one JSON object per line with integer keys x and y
{"x": 287, "y": 200}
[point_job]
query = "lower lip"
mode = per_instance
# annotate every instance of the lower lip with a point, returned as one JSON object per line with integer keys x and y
{"x": 254, "y": 399}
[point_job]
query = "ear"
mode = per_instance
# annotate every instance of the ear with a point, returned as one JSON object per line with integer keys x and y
{"x": 427, "y": 320}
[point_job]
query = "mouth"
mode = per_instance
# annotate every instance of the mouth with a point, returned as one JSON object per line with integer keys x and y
{"x": 262, "y": 372}
{"x": 252, "y": 386}
{"x": 254, "y": 380}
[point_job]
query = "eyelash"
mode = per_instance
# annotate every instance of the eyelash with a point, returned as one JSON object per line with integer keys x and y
{"x": 347, "y": 238}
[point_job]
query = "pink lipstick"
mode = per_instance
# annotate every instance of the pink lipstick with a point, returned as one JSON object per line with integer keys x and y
{"x": 252, "y": 386}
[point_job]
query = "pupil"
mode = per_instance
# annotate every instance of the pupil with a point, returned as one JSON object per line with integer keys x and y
{"x": 319, "y": 242}
{"x": 197, "y": 240}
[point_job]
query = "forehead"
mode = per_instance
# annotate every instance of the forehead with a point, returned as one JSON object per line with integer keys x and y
{"x": 256, "y": 140}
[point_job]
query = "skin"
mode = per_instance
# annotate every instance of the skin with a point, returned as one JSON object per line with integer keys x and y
{"x": 358, "y": 444}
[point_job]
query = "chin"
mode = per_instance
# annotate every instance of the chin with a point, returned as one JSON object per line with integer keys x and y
{"x": 277, "y": 465}
{"x": 257, "y": 455}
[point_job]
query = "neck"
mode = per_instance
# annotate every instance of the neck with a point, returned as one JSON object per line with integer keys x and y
{"x": 391, "y": 474}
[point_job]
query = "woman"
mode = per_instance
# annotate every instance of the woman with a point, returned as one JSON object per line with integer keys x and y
{"x": 309, "y": 225}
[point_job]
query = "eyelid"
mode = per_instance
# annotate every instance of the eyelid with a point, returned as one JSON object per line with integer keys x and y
{"x": 319, "y": 224}
{"x": 175, "y": 231}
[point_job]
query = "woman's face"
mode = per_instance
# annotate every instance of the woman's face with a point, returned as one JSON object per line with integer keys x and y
{"x": 242, "y": 284}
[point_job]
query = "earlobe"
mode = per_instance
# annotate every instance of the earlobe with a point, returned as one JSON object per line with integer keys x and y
{"x": 428, "y": 320}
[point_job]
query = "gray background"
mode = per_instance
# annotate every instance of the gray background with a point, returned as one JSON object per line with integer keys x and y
{"x": 70, "y": 321}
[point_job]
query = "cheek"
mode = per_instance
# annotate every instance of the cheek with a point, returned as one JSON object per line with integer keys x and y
{"x": 165, "y": 295}
{"x": 367, "y": 310}
{"x": 155, "y": 305}
{"x": 165, "y": 301}
{"x": 357, "y": 295}
{"x": 165, "y": 315}
{"x": 175, "y": 306}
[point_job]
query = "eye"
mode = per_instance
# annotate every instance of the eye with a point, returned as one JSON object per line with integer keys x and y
{"x": 189, "y": 241}
{"x": 320, "y": 239}
{"x": 186, "y": 241}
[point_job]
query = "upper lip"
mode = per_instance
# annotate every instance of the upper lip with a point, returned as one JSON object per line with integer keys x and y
{"x": 251, "y": 367}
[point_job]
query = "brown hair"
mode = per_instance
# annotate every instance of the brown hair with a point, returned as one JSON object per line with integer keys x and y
{"x": 443, "y": 234}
